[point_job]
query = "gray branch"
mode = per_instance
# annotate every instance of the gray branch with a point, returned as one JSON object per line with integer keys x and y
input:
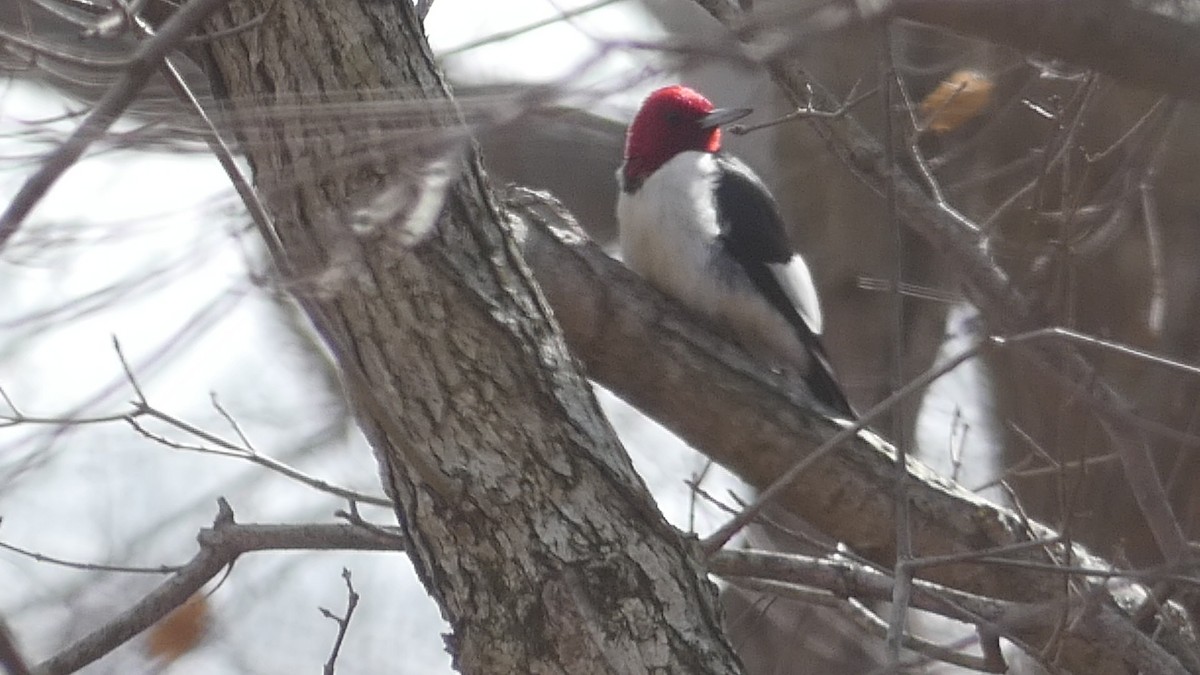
{"x": 220, "y": 546}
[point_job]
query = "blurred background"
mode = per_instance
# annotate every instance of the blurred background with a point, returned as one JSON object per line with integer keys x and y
{"x": 1081, "y": 184}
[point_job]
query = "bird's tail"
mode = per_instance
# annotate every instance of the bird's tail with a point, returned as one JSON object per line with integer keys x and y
{"x": 825, "y": 388}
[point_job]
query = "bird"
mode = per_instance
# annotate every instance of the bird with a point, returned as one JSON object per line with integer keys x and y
{"x": 702, "y": 227}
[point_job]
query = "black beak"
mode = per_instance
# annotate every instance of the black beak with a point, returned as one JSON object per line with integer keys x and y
{"x": 723, "y": 116}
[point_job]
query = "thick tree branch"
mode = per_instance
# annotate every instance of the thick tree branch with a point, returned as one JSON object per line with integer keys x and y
{"x": 526, "y": 520}
{"x": 1093, "y": 621}
{"x": 635, "y": 342}
{"x": 643, "y": 347}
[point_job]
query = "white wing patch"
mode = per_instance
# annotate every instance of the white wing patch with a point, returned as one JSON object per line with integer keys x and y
{"x": 797, "y": 283}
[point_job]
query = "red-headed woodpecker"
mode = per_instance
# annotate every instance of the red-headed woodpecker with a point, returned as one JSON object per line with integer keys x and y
{"x": 701, "y": 227}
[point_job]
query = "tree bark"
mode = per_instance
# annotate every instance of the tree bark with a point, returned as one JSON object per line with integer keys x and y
{"x": 525, "y": 518}
{"x": 752, "y": 423}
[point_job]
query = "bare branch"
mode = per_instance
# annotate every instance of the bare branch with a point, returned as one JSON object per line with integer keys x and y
{"x": 343, "y": 621}
{"x": 220, "y": 546}
{"x": 754, "y": 424}
{"x": 501, "y": 36}
{"x": 218, "y": 446}
{"x": 1095, "y": 621}
{"x": 117, "y": 20}
{"x": 95, "y": 567}
{"x": 223, "y": 447}
{"x": 137, "y": 388}
{"x": 226, "y": 448}
{"x": 897, "y": 624}
{"x": 1149, "y": 45}
{"x": 1143, "y": 46}
{"x": 41, "y": 48}
{"x": 807, "y": 111}
{"x": 1156, "y": 315}
{"x": 142, "y": 65}
{"x": 1006, "y": 308}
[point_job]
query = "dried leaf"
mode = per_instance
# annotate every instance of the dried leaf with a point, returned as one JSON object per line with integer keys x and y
{"x": 180, "y": 631}
{"x": 956, "y": 100}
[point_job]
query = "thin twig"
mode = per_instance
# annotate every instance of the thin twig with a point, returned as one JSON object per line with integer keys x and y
{"x": 343, "y": 621}
{"x": 137, "y": 388}
{"x": 1000, "y": 301}
{"x": 91, "y": 567}
{"x": 50, "y": 50}
{"x": 17, "y": 418}
{"x": 1099, "y": 622}
{"x": 520, "y": 30}
{"x": 808, "y": 112}
{"x": 121, "y": 17}
{"x": 354, "y": 518}
{"x": 871, "y": 623}
{"x": 694, "y": 491}
{"x": 237, "y": 428}
{"x": 719, "y": 538}
{"x": 914, "y": 140}
{"x": 897, "y": 625}
{"x": 1069, "y": 335}
{"x": 224, "y": 448}
{"x": 220, "y": 149}
{"x": 220, "y": 546}
{"x": 1156, "y": 314}
{"x": 79, "y": 13}
{"x": 992, "y": 553}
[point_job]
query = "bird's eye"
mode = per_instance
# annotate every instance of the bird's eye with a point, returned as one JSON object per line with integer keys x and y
{"x": 674, "y": 117}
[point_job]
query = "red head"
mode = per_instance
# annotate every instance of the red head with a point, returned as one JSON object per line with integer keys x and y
{"x": 672, "y": 120}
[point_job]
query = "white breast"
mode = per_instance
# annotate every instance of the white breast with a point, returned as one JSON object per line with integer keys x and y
{"x": 669, "y": 229}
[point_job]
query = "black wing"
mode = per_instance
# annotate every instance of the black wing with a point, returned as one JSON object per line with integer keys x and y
{"x": 753, "y": 233}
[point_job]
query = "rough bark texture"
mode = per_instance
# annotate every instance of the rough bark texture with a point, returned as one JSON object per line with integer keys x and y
{"x": 753, "y": 424}
{"x": 527, "y": 522}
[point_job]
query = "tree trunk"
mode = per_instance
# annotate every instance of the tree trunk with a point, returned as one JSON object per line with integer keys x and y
{"x": 526, "y": 521}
